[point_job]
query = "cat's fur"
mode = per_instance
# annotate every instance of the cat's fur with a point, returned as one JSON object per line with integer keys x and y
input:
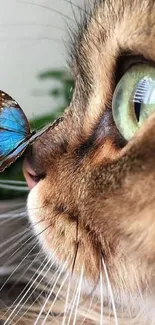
{"x": 95, "y": 204}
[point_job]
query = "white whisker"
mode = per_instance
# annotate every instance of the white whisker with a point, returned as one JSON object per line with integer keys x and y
{"x": 29, "y": 288}
{"x": 21, "y": 294}
{"x": 17, "y": 236}
{"x": 40, "y": 294}
{"x": 73, "y": 301}
{"x": 18, "y": 267}
{"x": 88, "y": 310}
{"x": 78, "y": 296}
{"x": 51, "y": 292}
{"x": 67, "y": 300}
{"x": 23, "y": 274}
{"x": 110, "y": 292}
{"x": 50, "y": 309}
{"x": 101, "y": 297}
{"x": 14, "y": 216}
{"x": 14, "y": 187}
{"x": 29, "y": 241}
{"x": 14, "y": 182}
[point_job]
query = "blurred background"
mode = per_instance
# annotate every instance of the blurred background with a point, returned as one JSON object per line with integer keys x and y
{"x": 33, "y": 39}
{"x": 34, "y": 42}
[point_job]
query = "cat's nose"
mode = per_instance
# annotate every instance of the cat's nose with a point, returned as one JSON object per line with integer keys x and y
{"x": 30, "y": 175}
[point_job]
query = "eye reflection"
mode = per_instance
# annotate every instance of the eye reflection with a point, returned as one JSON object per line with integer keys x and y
{"x": 134, "y": 99}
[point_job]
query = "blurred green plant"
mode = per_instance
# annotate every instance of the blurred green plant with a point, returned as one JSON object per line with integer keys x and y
{"x": 63, "y": 91}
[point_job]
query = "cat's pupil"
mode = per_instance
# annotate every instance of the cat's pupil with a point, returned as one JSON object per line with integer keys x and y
{"x": 140, "y": 96}
{"x": 137, "y": 107}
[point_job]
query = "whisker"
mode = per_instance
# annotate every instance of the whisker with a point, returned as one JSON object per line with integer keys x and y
{"x": 14, "y": 259}
{"x": 138, "y": 286}
{"x": 6, "y": 251}
{"x": 48, "y": 297}
{"x": 140, "y": 298}
{"x": 23, "y": 275}
{"x": 67, "y": 301}
{"x": 50, "y": 309}
{"x": 45, "y": 287}
{"x": 30, "y": 25}
{"x": 33, "y": 237}
{"x": 14, "y": 187}
{"x": 47, "y": 8}
{"x": 29, "y": 240}
{"x": 14, "y": 182}
{"x": 73, "y": 265}
{"x": 110, "y": 291}
{"x": 46, "y": 271}
{"x": 27, "y": 291}
{"x": 22, "y": 290}
{"x": 41, "y": 253}
{"x": 87, "y": 311}
{"x": 73, "y": 301}
{"x": 84, "y": 11}
{"x": 39, "y": 38}
{"x": 25, "y": 255}
{"x": 101, "y": 295}
{"x": 14, "y": 216}
{"x": 78, "y": 297}
{"x": 18, "y": 267}
{"x": 9, "y": 240}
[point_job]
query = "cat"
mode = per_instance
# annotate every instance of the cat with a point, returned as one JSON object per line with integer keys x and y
{"x": 91, "y": 176}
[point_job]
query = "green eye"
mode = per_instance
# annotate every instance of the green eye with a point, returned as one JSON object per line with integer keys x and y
{"x": 134, "y": 99}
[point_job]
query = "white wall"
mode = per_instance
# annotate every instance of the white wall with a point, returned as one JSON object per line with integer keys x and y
{"x": 31, "y": 41}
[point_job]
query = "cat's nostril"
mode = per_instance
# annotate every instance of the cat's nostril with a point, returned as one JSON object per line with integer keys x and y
{"x": 30, "y": 175}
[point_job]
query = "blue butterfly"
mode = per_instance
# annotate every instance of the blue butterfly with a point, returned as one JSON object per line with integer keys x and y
{"x": 15, "y": 134}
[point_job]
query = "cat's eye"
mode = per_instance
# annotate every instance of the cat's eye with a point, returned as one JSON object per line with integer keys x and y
{"x": 134, "y": 99}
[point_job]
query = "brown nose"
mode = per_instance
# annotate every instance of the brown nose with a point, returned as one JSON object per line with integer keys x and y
{"x": 30, "y": 175}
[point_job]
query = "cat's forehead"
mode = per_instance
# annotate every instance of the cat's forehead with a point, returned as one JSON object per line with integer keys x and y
{"x": 103, "y": 30}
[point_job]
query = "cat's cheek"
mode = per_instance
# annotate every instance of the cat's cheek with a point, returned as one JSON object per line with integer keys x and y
{"x": 41, "y": 227}
{"x": 35, "y": 212}
{"x": 33, "y": 205}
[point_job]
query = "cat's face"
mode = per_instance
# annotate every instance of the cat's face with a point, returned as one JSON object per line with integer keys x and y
{"x": 93, "y": 192}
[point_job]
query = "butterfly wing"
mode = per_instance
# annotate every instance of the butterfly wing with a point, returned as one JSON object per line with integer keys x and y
{"x": 14, "y": 130}
{"x": 11, "y": 115}
{"x": 9, "y": 140}
{"x": 16, "y": 153}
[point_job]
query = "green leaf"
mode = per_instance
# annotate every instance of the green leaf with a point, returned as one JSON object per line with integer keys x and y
{"x": 55, "y": 92}
{"x": 56, "y": 74}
